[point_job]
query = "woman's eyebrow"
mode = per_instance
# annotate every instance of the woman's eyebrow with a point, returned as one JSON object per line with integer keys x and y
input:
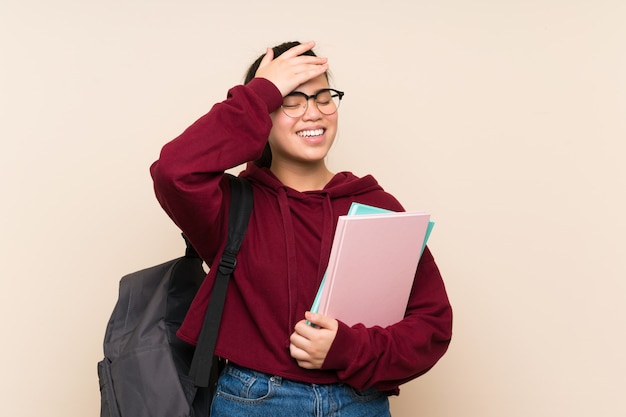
{"x": 307, "y": 95}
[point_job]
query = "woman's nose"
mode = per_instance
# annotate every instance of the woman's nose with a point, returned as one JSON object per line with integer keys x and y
{"x": 311, "y": 112}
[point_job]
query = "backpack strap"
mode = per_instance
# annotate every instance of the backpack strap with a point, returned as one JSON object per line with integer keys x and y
{"x": 202, "y": 371}
{"x": 190, "y": 252}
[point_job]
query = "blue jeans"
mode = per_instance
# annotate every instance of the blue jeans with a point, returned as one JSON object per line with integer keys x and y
{"x": 246, "y": 393}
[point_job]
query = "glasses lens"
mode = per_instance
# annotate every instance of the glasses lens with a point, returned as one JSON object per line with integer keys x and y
{"x": 294, "y": 105}
{"x": 327, "y": 101}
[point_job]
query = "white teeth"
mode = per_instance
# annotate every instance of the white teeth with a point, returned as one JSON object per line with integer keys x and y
{"x": 309, "y": 133}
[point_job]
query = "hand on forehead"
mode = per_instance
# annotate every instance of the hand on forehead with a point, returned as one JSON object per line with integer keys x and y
{"x": 291, "y": 69}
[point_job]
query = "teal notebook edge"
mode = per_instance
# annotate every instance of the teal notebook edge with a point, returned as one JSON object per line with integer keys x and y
{"x": 360, "y": 208}
{"x": 357, "y": 209}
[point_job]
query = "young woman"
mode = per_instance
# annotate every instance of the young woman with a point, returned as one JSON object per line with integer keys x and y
{"x": 284, "y": 118}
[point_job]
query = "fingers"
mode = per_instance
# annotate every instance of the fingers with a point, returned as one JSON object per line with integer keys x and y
{"x": 299, "y": 49}
{"x": 298, "y": 351}
{"x": 310, "y": 344}
{"x": 305, "y": 353}
{"x": 269, "y": 56}
{"x": 321, "y": 321}
{"x": 291, "y": 69}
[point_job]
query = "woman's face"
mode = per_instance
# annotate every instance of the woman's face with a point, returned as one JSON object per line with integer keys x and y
{"x": 306, "y": 139}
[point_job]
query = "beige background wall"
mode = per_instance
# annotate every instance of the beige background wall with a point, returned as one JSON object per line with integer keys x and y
{"x": 505, "y": 119}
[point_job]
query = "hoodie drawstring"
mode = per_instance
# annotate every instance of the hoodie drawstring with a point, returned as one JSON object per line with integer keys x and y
{"x": 326, "y": 236}
{"x": 290, "y": 244}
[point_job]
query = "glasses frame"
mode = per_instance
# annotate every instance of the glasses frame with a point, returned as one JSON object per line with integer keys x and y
{"x": 334, "y": 93}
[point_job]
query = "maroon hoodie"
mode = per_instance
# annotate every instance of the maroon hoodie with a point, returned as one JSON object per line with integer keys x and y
{"x": 285, "y": 252}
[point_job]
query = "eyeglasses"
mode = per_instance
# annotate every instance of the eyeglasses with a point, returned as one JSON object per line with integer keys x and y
{"x": 327, "y": 101}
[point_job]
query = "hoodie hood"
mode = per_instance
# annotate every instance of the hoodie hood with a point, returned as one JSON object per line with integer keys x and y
{"x": 343, "y": 184}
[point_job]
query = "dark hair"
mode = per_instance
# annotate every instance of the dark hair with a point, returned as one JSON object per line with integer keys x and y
{"x": 266, "y": 158}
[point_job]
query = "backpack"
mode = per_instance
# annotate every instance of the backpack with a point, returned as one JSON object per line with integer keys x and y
{"x": 147, "y": 371}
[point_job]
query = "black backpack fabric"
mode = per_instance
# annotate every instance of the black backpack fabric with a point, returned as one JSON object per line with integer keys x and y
{"x": 147, "y": 371}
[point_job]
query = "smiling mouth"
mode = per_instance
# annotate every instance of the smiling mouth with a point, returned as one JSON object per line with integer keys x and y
{"x": 310, "y": 133}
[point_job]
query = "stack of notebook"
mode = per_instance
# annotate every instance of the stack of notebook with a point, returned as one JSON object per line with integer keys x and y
{"x": 372, "y": 265}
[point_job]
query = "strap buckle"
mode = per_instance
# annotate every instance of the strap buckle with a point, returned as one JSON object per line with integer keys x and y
{"x": 227, "y": 265}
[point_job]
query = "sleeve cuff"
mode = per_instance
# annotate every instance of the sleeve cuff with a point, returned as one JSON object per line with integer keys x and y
{"x": 268, "y": 93}
{"x": 343, "y": 350}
